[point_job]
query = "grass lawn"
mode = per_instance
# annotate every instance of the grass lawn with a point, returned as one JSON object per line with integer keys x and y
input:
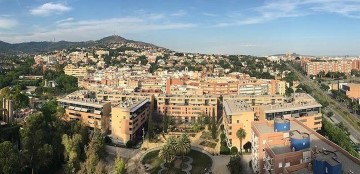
{"x": 152, "y": 158}
{"x": 201, "y": 161}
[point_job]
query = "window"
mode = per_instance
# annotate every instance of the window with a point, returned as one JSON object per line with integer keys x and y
{"x": 237, "y": 121}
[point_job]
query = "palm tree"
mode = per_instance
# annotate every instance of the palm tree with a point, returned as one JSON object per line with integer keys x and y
{"x": 241, "y": 134}
{"x": 183, "y": 145}
{"x": 171, "y": 141}
{"x": 166, "y": 153}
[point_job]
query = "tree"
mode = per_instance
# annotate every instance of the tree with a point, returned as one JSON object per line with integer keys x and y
{"x": 165, "y": 123}
{"x": 38, "y": 137}
{"x": 183, "y": 145}
{"x": 95, "y": 152}
{"x": 355, "y": 107}
{"x": 234, "y": 150}
{"x": 166, "y": 153}
{"x": 195, "y": 127}
{"x": 241, "y": 134}
{"x": 119, "y": 166}
{"x": 324, "y": 87}
{"x": 321, "y": 74}
{"x": 72, "y": 152}
{"x": 234, "y": 164}
{"x": 213, "y": 127}
{"x": 9, "y": 158}
{"x": 288, "y": 91}
{"x": 247, "y": 146}
{"x": 330, "y": 114}
{"x": 150, "y": 128}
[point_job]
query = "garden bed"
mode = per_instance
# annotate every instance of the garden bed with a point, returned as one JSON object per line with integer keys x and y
{"x": 208, "y": 144}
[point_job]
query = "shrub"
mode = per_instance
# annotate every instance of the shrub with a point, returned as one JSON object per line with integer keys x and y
{"x": 222, "y": 136}
{"x": 129, "y": 144}
{"x": 234, "y": 150}
{"x": 224, "y": 150}
{"x": 107, "y": 140}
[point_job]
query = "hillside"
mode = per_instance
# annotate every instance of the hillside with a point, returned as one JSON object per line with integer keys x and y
{"x": 33, "y": 47}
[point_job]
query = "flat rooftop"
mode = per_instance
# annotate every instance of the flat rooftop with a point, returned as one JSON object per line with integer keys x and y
{"x": 131, "y": 104}
{"x": 315, "y": 143}
{"x": 283, "y": 107}
{"x": 83, "y": 101}
{"x": 188, "y": 96}
{"x": 233, "y": 107}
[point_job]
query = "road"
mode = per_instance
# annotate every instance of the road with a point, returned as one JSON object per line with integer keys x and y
{"x": 334, "y": 105}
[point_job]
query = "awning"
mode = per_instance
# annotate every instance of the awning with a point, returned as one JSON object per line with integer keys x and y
{"x": 97, "y": 112}
{"x": 71, "y": 107}
{"x": 84, "y": 110}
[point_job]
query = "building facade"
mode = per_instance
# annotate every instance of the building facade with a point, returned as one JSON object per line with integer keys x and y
{"x": 128, "y": 119}
{"x": 92, "y": 112}
{"x": 78, "y": 72}
{"x": 237, "y": 115}
{"x": 187, "y": 108}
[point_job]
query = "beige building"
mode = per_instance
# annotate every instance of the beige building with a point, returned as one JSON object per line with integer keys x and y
{"x": 128, "y": 119}
{"x": 72, "y": 70}
{"x": 92, "y": 112}
{"x": 240, "y": 110}
{"x": 256, "y": 101}
{"x": 300, "y": 106}
{"x": 237, "y": 114}
{"x": 352, "y": 90}
{"x": 116, "y": 97}
{"x": 187, "y": 108}
{"x": 313, "y": 68}
{"x": 284, "y": 146}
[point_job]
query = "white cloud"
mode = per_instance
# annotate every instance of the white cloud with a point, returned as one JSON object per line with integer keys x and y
{"x": 277, "y": 9}
{"x": 64, "y": 20}
{"x": 49, "y": 9}
{"x": 6, "y": 23}
{"x": 73, "y": 30}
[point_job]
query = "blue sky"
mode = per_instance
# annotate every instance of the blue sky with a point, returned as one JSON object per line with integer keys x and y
{"x": 316, "y": 27}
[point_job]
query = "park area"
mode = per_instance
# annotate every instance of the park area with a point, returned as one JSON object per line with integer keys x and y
{"x": 193, "y": 162}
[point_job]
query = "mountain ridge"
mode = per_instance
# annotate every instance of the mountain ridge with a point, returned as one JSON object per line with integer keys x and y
{"x": 41, "y": 46}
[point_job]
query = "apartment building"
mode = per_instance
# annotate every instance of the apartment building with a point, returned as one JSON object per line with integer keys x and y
{"x": 284, "y": 146}
{"x": 300, "y": 106}
{"x": 78, "y": 72}
{"x": 237, "y": 114}
{"x": 128, "y": 119}
{"x": 117, "y": 97}
{"x": 92, "y": 112}
{"x": 351, "y": 90}
{"x": 187, "y": 108}
{"x": 218, "y": 86}
{"x": 256, "y": 101}
{"x": 313, "y": 68}
{"x": 261, "y": 87}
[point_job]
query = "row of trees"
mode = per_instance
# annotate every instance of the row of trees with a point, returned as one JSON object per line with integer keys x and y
{"x": 338, "y": 136}
{"x": 332, "y": 74}
{"x": 341, "y": 97}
